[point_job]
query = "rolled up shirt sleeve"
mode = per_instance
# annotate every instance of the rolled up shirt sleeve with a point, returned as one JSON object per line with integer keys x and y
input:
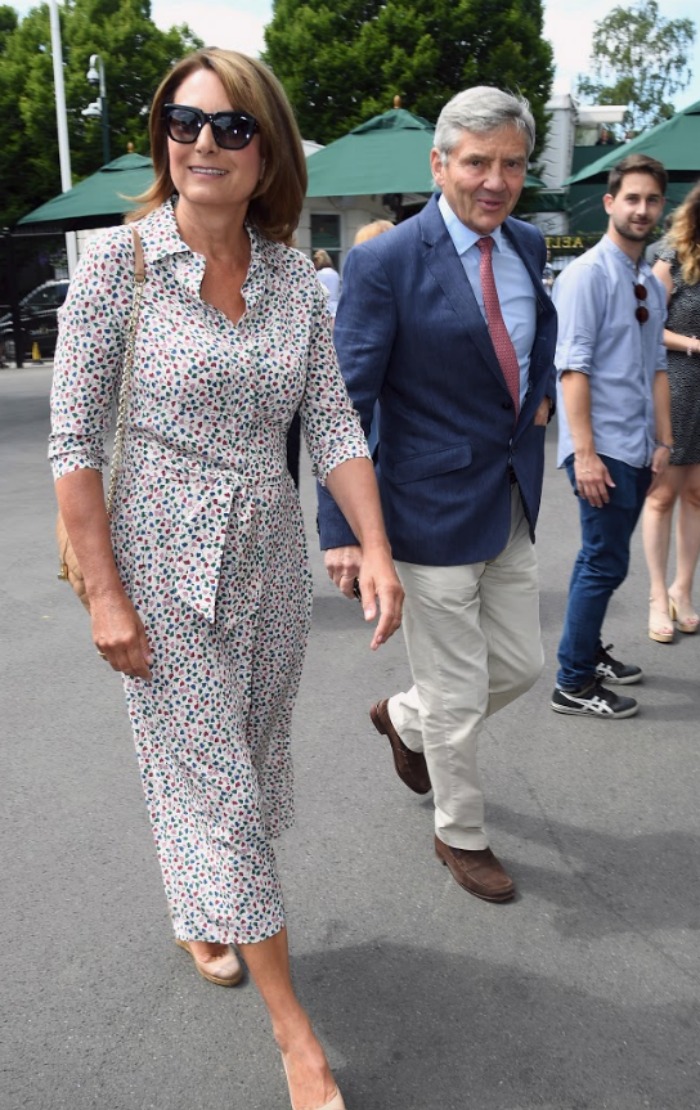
{"x": 580, "y": 306}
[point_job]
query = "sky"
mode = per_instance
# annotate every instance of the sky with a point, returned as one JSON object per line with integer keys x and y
{"x": 569, "y": 25}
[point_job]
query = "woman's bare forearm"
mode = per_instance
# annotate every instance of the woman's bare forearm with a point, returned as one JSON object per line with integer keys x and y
{"x": 354, "y": 489}
{"x": 82, "y": 503}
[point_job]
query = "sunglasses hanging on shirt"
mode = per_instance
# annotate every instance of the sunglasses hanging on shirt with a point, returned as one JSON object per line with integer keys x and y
{"x": 641, "y": 312}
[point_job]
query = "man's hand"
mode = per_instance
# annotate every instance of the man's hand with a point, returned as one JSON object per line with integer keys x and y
{"x": 381, "y": 592}
{"x": 593, "y": 480}
{"x": 343, "y": 566}
{"x": 543, "y": 411}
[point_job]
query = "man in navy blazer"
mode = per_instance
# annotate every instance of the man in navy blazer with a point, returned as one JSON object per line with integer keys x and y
{"x": 464, "y": 376}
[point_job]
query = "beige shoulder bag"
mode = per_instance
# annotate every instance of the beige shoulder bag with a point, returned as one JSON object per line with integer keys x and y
{"x": 69, "y": 568}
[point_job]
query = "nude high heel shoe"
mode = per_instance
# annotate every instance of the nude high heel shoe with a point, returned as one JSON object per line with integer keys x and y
{"x": 336, "y": 1103}
{"x": 689, "y": 623}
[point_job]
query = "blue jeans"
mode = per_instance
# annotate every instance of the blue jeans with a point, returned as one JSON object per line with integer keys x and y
{"x": 601, "y": 566}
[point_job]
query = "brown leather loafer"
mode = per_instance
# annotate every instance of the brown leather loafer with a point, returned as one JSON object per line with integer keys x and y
{"x": 410, "y": 766}
{"x": 479, "y": 872}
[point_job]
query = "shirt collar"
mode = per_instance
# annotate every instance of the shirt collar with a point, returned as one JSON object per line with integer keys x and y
{"x": 640, "y": 267}
{"x": 161, "y": 237}
{"x": 462, "y": 236}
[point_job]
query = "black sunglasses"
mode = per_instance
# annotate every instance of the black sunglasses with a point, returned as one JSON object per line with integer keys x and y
{"x": 641, "y": 311}
{"x": 231, "y": 130}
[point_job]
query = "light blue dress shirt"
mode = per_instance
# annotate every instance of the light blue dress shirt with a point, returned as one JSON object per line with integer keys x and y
{"x": 599, "y": 335}
{"x": 516, "y": 292}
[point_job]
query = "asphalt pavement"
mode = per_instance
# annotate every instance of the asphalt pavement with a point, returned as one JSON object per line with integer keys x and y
{"x": 580, "y": 995}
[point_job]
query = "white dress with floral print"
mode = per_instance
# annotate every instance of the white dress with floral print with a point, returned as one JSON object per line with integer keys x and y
{"x": 209, "y": 540}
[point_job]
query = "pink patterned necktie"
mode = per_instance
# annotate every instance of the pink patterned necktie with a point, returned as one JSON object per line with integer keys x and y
{"x": 503, "y": 344}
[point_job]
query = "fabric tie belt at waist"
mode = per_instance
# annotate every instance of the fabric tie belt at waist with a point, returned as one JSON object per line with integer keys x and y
{"x": 217, "y": 502}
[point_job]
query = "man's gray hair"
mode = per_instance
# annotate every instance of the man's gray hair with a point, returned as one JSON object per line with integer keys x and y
{"x": 482, "y": 109}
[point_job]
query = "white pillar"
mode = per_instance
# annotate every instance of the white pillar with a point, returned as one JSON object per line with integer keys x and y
{"x": 62, "y": 124}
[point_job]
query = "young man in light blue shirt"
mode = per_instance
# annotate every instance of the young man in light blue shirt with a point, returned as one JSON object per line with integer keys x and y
{"x": 614, "y": 424}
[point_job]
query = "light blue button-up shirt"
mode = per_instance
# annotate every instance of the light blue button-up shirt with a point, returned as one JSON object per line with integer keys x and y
{"x": 516, "y": 292}
{"x": 600, "y": 336}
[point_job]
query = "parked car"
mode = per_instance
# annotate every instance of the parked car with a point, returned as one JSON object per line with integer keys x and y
{"x": 38, "y": 319}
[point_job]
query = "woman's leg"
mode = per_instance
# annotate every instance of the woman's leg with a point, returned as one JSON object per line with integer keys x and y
{"x": 311, "y": 1083}
{"x": 656, "y": 535}
{"x": 687, "y": 539}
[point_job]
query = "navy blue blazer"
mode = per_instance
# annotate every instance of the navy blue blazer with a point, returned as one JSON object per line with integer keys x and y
{"x": 409, "y": 331}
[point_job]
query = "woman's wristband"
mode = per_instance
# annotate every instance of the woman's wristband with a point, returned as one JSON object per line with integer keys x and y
{"x": 690, "y": 351}
{"x": 668, "y": 446}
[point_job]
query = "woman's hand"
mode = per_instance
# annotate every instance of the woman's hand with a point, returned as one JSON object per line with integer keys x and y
{"x": 378, "y": 583}
{"x": 354, "y": 488}
{"x": 119, "y": 635}
{"x": 659, "y": 465}
{"x": 117, "y": 631}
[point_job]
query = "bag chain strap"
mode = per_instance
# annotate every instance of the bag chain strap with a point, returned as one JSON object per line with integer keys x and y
{"x": 139, "y": 280}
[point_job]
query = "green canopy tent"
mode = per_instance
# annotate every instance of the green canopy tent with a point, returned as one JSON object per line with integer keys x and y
{"x": 98, "y": 201}
{"x": 387, "y": 155}
{"x": 675, "y": 143}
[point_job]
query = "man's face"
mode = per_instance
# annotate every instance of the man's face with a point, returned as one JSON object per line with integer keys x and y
{"x": 484, "y": 176}
{"x": 636, "y": 209}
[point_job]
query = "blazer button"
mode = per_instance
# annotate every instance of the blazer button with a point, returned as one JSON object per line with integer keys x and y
{"x": 507, "y": 404}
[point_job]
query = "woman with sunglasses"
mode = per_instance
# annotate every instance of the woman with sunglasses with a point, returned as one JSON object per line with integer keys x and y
{"x": 199, "y": 585}
{"x": 678, "y": 267}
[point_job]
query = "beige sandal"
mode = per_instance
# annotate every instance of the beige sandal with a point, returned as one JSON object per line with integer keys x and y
{"x": 689, "y": 623}
{"x": 224, "y": 970}
{"x": 660, "y": 626}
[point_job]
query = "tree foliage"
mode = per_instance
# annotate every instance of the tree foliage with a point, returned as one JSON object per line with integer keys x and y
{"x": 136, "y": 55}
{"x": 343, "y": 61}
{"x": 640, "y": 59}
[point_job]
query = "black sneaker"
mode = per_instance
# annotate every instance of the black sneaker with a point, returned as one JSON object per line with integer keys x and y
{"x": 594, "y": 701}
{"x": 610, "y": 670}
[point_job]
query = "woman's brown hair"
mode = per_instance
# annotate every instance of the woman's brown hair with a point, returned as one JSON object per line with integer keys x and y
{"x": 250, "y": 87}
{"x": 684, "y": 236}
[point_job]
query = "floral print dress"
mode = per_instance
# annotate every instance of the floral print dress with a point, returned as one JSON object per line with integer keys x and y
{"x": 209, "y": 540}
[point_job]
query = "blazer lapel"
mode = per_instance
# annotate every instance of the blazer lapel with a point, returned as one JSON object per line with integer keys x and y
{"x": 446, "y": 267}
{"x": 545, "y": 306}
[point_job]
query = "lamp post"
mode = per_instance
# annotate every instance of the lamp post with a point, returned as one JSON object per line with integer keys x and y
{"x": 62, "y": 124}
{"x": 99, "y": 109}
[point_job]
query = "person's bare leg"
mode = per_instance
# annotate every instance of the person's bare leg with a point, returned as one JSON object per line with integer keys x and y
{"x": 311, "y": 1082}
{"x": 687, "y": 541}
{"x": 656, "y": 536}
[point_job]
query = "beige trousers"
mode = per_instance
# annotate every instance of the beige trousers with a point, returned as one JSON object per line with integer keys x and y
{"x": 473, "y": 639}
